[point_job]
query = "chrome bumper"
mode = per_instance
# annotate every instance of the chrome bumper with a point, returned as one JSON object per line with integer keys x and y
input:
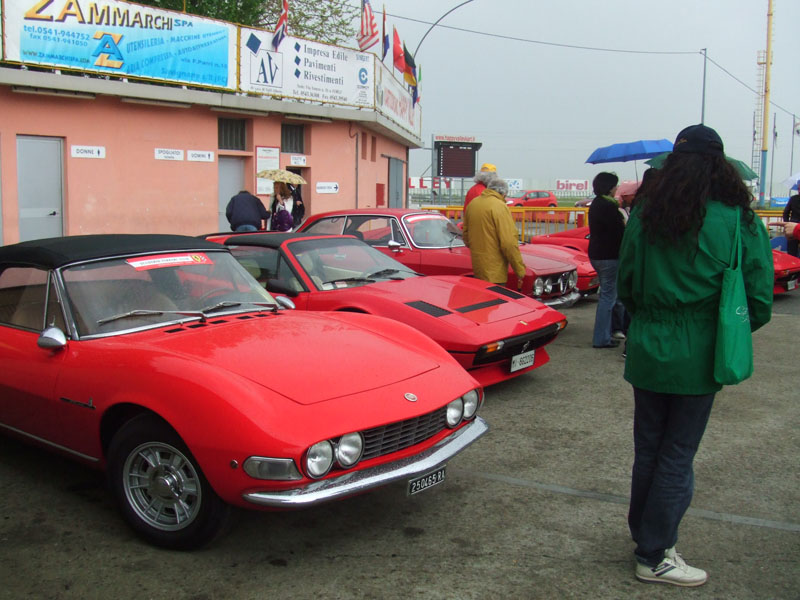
{"x": 564, "y": 301}
{"x": 361, "y": 481}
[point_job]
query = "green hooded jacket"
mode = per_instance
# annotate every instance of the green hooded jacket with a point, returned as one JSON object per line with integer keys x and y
{"x": 672, "y": 294}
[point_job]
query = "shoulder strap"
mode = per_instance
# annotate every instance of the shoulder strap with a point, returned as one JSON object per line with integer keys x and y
{"x": 736, "y": 247}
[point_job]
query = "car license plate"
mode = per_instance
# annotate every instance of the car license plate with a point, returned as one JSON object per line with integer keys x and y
{"x": 421, "y": 484}
{"x": 521, "y": 361}
{"x": 791, "y": 284}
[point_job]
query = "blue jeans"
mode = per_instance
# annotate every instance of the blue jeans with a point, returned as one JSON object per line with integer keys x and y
{"x": 610, "y": 311}
{"x": 246, "y": 227}
{"x": 667, "y": 429}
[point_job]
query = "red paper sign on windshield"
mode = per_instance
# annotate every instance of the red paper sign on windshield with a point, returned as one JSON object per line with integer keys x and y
{"x": 159, "y": 261}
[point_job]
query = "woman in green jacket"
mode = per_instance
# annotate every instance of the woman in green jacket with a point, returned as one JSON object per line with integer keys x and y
{"x": 676, "y": 245}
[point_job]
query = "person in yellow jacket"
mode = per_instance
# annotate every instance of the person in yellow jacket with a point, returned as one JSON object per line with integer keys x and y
{"x": 491, "y": 235}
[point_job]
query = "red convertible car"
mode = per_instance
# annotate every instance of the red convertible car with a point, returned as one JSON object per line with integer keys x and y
{"x": 493, "y": 332}
{"x": 149, "y": 356}
{"x": 430, "y": 243}
{"x": 787, "y": 268}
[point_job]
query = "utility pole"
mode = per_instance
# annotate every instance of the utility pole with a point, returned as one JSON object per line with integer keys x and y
{"x": 703, "y": 105}
{"x": 765, "y": 141}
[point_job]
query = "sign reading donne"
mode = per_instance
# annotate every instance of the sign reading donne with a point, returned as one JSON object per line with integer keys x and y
{"x": 109, "y": 36}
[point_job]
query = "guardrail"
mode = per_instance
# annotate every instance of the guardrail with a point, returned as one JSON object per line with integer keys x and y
{"x": 533, "y": 221}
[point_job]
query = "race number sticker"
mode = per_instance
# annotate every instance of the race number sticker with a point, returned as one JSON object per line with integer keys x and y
{"x": 159, "y": 261}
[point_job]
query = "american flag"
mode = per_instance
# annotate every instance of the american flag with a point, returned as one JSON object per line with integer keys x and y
{"x": 280, "y": 28}
{"x": 369, "y": 30}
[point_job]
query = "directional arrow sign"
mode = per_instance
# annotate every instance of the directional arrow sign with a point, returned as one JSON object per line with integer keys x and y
{"x": 327, "y": 187}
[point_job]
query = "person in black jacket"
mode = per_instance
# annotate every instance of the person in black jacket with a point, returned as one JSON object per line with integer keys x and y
{"x": 246, "y": 212}
{"x": 791, "y": 214}
{"x": 606, "y": 227}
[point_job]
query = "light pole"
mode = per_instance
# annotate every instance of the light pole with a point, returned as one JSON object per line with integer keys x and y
{"x": 435, "y": 23}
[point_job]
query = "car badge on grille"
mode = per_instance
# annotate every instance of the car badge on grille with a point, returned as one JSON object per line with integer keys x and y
{"x": 525, "y": 346}
{"x": 410, "y": 397}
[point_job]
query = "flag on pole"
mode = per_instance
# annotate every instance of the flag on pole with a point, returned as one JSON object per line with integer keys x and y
{"x": 385, "y": 37}
{"x": 369, "y": 30}
{"x": 410, "y": 72}
{"x": 397, "y": 52}
{"x": 280, "y": 28}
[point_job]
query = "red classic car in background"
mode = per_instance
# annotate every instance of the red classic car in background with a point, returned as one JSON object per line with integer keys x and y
{"x": 588, "y": 281}
{"x": 152, "y": 356}
{"x": 787, "y": 268}
{"x": 531, "y": 198}
{"x": 493, "y": 332}
{"x": 430, "y": 243}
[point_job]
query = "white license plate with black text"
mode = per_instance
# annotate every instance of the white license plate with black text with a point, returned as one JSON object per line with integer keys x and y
{"x": 521, "y": 361}
{"x": 791, "y": 284}
{"x": 421, "y": 484}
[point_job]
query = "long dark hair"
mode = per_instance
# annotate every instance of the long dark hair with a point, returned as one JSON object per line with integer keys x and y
{"x": 674, "y": 205}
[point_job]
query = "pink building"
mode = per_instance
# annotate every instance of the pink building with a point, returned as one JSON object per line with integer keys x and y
{"x": 82, "y": 154}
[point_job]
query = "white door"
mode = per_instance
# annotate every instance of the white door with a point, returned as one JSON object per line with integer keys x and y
{"x": 231, "y": 182}
{"x": 40, "y": 185}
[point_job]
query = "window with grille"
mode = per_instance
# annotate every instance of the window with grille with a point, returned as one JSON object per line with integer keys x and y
{"x": 231, "y": 134}
{"x": 293, "y": 138}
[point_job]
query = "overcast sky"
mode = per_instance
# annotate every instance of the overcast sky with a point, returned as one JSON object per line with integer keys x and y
{"x": 541, "y": 109}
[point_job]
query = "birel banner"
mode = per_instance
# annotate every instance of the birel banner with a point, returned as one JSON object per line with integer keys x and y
{"x": 305, "y": 70}
{"x": 109, "y": 36}
{"x": 394, "y": 101}
{"x": 573, "y": 185}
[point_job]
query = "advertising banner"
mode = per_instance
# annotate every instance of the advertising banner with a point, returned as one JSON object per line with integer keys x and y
{"x": 305, "y": 70}
{"x": 393, "y": 100}
{"x": 112, "y": 37}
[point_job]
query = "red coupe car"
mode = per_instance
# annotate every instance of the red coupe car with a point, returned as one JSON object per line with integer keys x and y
{"x": 787, "y": 268}
{"x": 151, "y": 356}
{"x": 532, "y": 198}
{"x": 430, "y": 243}
{"x": 493, "y": 332}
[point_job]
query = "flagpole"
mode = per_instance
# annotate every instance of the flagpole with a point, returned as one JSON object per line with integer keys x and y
{"x": 414, "y": 56}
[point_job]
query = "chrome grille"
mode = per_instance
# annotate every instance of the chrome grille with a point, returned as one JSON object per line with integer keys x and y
{"x": 396, "y": 436}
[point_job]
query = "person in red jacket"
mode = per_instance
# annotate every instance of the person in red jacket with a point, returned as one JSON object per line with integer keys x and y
{"x": 488, "y": 171}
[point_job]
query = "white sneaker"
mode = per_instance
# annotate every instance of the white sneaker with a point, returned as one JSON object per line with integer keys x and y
{"x": 618, "y": 335}
{"x": 672, "y": 569}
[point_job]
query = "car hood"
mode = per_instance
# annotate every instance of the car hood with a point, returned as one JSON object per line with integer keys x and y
{"x": 540, "y": 264}
{"x": 559, "y": 253}
{"x": 460, "y": 301}
{"x": 358, "y": 352}
{"x": 783, "y": 261}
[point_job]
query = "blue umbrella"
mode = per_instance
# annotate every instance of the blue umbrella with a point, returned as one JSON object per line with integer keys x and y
{"x": 626, "y": 151}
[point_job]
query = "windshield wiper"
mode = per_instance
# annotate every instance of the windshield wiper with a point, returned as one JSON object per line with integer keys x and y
{"x": 350, "y": 280}
{"x": 231, "y": 304}
{"x": 150, "y": 313}
{"x": 386, "y": 273}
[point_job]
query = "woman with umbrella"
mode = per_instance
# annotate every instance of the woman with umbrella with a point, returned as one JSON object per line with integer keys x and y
{"x": 678, "y": 241}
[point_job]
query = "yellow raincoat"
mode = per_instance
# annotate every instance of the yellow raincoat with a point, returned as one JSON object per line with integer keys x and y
{"x": 492, "y": 238}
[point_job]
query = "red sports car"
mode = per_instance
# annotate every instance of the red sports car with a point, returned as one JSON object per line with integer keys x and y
{"x": 493, "y": 332}
{"x": 787, "y": 268}
{"x": 430, "y": 243}
{"x": 153, "y": 357}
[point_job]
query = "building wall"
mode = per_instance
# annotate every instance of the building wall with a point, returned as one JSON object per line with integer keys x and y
{"x": 129, "y": 191}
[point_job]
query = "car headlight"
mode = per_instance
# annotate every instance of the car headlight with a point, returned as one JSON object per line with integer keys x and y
{"x": 472, "y": 401}
{"x": 548, "y": 286}
{"x": 276, "y": 469}
{"x": 573, "y": 279}
{"x": 319, "y": 459}
{"x": 455, "y": 412}
{"x": 538, "y": 287}
{"x": 349, "y": 449}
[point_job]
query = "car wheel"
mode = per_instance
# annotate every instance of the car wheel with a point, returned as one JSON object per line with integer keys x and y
{"x": 160, "y": 488}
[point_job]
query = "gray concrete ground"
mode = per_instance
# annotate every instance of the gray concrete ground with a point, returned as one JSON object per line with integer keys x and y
{"x": 536, "y": 509}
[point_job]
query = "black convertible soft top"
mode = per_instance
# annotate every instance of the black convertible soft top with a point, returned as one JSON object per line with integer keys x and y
{"x": 274, "y": 240}
{"x": 51, "y": 253}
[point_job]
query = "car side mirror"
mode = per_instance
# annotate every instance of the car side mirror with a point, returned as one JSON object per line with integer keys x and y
{"x": 394, "y": 245}
{"x": 52, "y": 338}
{"x": 276, "y": 286}
{"x": 284, "y": 302}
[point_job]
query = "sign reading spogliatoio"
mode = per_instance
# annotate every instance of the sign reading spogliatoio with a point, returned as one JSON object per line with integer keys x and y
{"x": 119, "y": 38}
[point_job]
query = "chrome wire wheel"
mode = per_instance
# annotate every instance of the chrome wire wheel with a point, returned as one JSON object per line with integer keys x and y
{"x": 162, "y": 486}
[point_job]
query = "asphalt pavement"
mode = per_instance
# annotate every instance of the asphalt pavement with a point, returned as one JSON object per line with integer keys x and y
{"x": 535, "y": 509}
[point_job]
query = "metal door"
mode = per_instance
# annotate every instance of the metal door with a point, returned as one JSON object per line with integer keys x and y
{"x": 40, "y": 187}
{"x": 231, "y": 182}
{"x": 396, "y": 187}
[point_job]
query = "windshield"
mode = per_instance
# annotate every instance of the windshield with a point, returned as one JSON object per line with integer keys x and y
{"x": 345, "y": 262}
{"x": 433, "y": 231}
{"x": 122, "y": 294}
